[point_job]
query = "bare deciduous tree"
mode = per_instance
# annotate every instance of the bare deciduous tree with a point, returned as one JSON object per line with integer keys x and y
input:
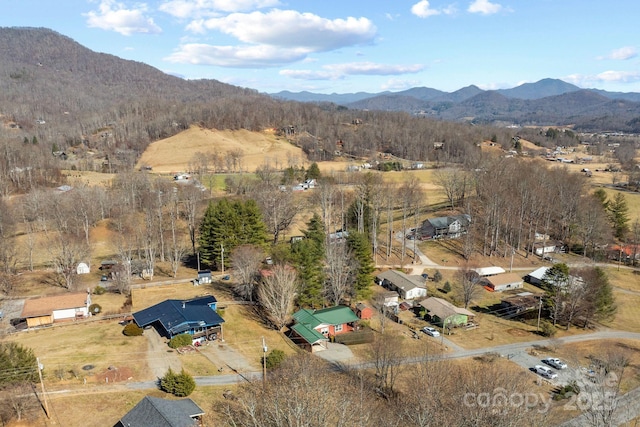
{"x": 246, "y": 261}
{"x": 339, "y": 272}
{"x": 466, "y": 285}
{"x": 277, "y": 292}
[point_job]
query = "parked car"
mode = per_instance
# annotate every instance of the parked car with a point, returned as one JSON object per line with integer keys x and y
{"x": 545, "y": 371}
{"x": 432, "y": 332}
{"x": 554, "y": 362}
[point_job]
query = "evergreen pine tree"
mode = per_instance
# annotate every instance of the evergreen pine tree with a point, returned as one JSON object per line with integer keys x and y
{"x": 309, "y": 258}
{"x": 226, "y": 225}
{"x": 359, "y": 244}
{"x": 619, "y": 213}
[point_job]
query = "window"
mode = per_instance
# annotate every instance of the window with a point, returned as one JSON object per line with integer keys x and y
{"x": 324, "y": 331}
{"x": 338, "y": 328}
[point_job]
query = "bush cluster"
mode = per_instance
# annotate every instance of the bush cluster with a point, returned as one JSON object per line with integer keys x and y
{"x": 181, "y": 340}
{"x": 180, "y": 385}
{"x": 132, "y": 330}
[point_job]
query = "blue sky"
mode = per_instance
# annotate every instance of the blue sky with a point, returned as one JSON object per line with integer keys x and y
{"x": 331, "y": 46}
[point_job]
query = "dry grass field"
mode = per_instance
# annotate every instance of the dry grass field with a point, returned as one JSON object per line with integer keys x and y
{"x": 258, "y": 148}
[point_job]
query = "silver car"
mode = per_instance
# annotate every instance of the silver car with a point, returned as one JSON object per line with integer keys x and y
{"x": 554, "y": 362}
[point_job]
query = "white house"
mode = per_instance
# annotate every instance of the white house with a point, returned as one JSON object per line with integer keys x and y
{"x": 503, "y": 282}
{"x": 408, "y": 287}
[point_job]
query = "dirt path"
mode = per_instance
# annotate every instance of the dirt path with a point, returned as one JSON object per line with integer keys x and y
{"x": 226, "y": 359}
{"x": 159, "y": 356}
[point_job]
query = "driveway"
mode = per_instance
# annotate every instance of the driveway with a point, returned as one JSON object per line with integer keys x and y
{"x": 336, "y": 353}
{"x": 159, "y": 356}
{"x": 226, "y": 359}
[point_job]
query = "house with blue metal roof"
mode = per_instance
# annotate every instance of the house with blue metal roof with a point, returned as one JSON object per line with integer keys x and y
{"x": 172, "y": 317}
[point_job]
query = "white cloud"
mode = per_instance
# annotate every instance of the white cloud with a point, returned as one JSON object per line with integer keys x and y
{"x": 374, "y": 69}
{"x": 484, "y": 7}
{"x": 199, "y": 8}
{"x": 583, "y": 80}
{"x": 253, "y": 56}
{"x": 399, "y": 84}
{"x": 423, "y": 9}
{"x": 619, "y": 76}
{"x": 340, "y": 71}
{"x": 623, "y": 53}
{"x": 291, "y": 29}
{"x": 114, "y": 16}
{"x": 310, "y": 75}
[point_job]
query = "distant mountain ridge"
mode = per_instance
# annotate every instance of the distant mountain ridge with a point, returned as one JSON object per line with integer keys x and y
{"x": 546, "y": 102}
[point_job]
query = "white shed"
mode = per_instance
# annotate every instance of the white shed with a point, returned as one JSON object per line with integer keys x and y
{"x": 82, "y": 268}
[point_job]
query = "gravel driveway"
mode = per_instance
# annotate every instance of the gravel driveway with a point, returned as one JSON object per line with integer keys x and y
{"x": 159, "y": 356}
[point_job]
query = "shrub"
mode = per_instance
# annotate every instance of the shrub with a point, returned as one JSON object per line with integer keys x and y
{"x": 99, "y": 290}
{"x": 180, "y": 385}
{"x": 447, "y": 287}
{"x": 274, "y": 358}
{"x": 95, "y": 308}
{"x": 180, "y": 341}
{"x": 132, "y": 330}
{"x": 547, "y": 329}
{"x": 437, "y": 276}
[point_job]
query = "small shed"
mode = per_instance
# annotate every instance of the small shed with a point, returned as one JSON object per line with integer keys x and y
{"x": 204, "y": 276}
{"x": 503, "y": 282}
{"x": 82, "y": 268}
{"x": 363, "y": 311}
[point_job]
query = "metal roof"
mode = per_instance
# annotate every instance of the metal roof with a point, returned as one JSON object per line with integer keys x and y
{"x": 489, "y": 271}
{"x": 178, "y": 316}
{"x": 337, "y": 315}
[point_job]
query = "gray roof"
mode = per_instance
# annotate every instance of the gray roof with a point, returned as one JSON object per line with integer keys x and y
{"x": 156, "y": 412}
{"x": 402, "y": 281}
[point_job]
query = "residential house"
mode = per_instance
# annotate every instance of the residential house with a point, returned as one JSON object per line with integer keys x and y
{"x": 407, "y": 287}
{"x": 449, "y": 227}
{"x": 363, "y": 311}
{"x": 489, "y": 271}
{"x": 156, "y": 412}
{"x": 624, "y": 253}
{"x": 535, "y": 277}
{"x": 542, "y": 248}
{"x": 313, "y": 329}
{"x": 440, "y": 310}
{"x": 45, "y": 311}
{"x": 503, "y": 282}
{"x": 172, "y": 317}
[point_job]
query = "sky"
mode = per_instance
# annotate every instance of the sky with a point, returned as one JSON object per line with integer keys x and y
{"x": 347, "y": 46}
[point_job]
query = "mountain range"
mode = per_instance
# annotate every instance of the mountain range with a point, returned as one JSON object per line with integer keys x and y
{"x": 546, "y": 102}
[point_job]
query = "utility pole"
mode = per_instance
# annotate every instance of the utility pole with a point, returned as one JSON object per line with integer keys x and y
{"x": 264, "y": 362}
{"x": 44, "y": 394}
{"x": 513, "y": 252}
{"x": 222, "y": 255}
{"x": 539, "y": 312}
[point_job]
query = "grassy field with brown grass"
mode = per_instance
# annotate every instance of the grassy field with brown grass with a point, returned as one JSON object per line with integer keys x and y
{"x": 173, "y": 154}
